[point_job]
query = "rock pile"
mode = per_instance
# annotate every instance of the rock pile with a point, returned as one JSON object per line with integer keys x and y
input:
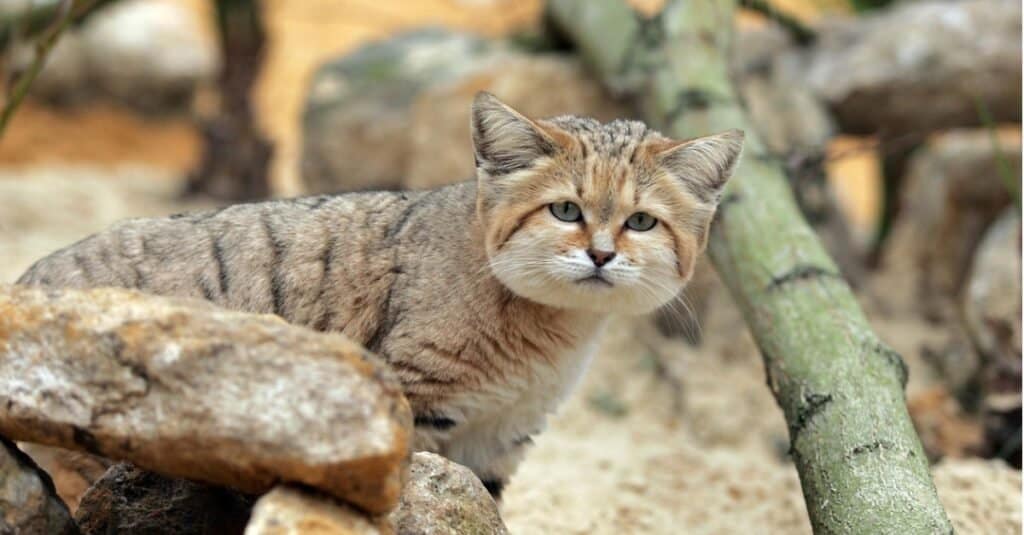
{"x": 223, "y": 405}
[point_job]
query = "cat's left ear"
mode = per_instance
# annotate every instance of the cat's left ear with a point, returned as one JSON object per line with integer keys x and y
{"x": 704, "y": 164}
{"x": 506, "y": 141}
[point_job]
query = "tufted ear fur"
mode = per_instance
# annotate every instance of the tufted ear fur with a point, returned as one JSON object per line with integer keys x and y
{"x": 704, "y": 164}
{"x": 505, "y": 141}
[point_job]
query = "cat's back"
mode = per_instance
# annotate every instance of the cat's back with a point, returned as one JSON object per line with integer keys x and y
{"x": 273, "y": 256}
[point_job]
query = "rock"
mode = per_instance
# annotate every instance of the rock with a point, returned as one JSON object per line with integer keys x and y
{"x": 130, "y": 500}
{"x": 992, "y": 298}
{"x": 290, "y": 511}
{"x": 979, "y": 496}
{"x": 955, "y": 188}
{"x": 28, "y": 502}
{"x": 189, "y": 390}
{"x": 148, "y": 52}
{"x": 920, "y": 66}
{"x": 992, "y": 316}
{"x": 443, "y": 497}
{"x": 73, "y": 472}
{"x": 411, "y": 94}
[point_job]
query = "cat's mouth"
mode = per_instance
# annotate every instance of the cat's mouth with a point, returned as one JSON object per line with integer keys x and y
{"x": 596, "y": 278}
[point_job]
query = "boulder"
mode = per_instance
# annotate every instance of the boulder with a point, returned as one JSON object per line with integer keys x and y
{"x": 445, "y": 498}
{"x": 992, "y": 297}
{"x": 186, "y": 389}
{"x": 955, "y": 188}
{"x": 130, "y": 500}
{"x": 291, "y": 511}
{"x": 920, "y": 66}
{"x": 395, "y": 113}
{"x": 28, "y": 502}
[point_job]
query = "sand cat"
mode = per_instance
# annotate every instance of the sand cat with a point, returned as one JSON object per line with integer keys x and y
{"x": 486, "y": 297}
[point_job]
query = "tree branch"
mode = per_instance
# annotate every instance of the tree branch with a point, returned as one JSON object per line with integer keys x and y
{"x": 860, "y": 461}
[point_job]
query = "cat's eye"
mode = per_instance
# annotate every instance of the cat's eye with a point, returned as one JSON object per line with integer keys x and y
{"x": 641, "y": 221}
{"x": 566, "y": 211}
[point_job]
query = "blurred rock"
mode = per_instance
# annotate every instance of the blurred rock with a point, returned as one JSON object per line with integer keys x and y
{"x": 992, "y": 316}
{"x": 148, "y": 53}
{"x": 920, "y": 66}
{"x": 130, "y": 500}
{"x": 992, "y": 304}
{"x": 442, "y": 497}
{"x": 28, "y": 502}
{"x": 396, "y": 113}
{"x": 944, "y": 428}
{"x": 955, "y": 188}
{"x": 289, "y": 511}
{"x": 979, "y": 496}
{"x": 194, "y": 391}
{"x": 73, "y": 472}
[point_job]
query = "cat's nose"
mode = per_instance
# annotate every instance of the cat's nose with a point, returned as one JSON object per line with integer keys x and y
{"x": 600, "y": 258}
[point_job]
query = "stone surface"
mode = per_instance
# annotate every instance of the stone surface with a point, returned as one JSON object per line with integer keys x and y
{"x": 412, "y": 94}
{"x": 130, "y": 500}
{"x": 444, "y": 498}
{"x": 992, "y": 297}
{"x": 290, "y": 511}
{"x": 981, "y": 497}
{"x": 921, "y": 66}
{"x": 190, "y": 390}
{"x": 955, "y": 188}
{"x": 28, "y": 502}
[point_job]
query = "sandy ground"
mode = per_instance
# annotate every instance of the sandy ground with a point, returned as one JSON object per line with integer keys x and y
{"x": 660, "y": 437}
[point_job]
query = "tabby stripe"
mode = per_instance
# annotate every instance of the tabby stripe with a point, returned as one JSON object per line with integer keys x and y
{"x": 276, "y": 249}
{"x": 326, "y": 259}
{"x": 223, "y": 277}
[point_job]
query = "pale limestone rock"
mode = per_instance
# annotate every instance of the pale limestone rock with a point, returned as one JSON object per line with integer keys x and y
{"x": 190, "y": 390}
{"x": 290, "y": 511}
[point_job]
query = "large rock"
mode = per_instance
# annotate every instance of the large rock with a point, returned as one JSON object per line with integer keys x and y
{"x": 956, "y": 187}
{"x": 291, "y": 511}
{"x": 396, "y": 113}
{"x": 28, "y": 502}
{"x": 921, "y": 66}
{"x": 190, "y": 390}
{"x": 129, "y": 500}
{"x": 992, "y": 316}
{"x": 445, "y": 498}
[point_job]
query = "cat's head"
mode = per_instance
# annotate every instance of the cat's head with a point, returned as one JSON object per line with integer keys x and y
{"x": 601, "y": 217}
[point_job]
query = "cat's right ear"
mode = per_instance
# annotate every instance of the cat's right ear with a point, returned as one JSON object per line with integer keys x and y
{"x": 504, "y": 140}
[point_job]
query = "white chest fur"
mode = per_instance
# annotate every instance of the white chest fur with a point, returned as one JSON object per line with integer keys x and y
{"x": 505, "y": 413}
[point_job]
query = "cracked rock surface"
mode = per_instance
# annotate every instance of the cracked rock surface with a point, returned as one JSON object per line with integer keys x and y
{"x": 190, "y": 390}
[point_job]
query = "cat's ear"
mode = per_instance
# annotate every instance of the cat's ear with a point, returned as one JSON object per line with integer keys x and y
{"x": 504, "y": 140}
{"x": 704, "y": 164}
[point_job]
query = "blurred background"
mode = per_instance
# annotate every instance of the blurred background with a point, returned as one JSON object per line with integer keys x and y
{"x": 898, "y": 121}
